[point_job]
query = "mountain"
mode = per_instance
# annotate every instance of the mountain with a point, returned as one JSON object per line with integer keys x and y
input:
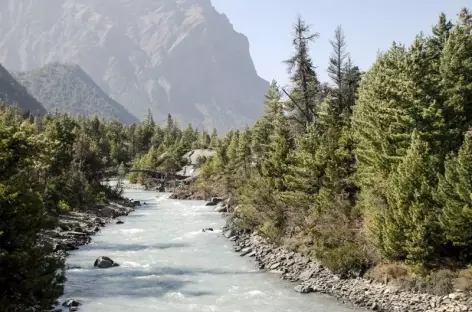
{"x": 14, "y": 93}
{"x": 172, "y": 56}
{"x": 68, "y": 89}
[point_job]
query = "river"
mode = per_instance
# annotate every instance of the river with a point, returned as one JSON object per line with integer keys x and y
{"x": 168, "y": 264}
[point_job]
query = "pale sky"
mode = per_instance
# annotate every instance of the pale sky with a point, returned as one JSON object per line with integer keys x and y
{"x": 369, "y": 26}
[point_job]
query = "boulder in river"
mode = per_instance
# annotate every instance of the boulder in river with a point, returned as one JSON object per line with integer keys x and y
{"x": 119, "y": 222}
{"x": 137, "y": 203}
{"x": 221, "y": 208}
{"x": 105, "y": 262}
{"x": 304, "y": 289}
{"x": 207, "y": 229}
{"x": 229, "y": 233}
{"x": 71, "y": 303}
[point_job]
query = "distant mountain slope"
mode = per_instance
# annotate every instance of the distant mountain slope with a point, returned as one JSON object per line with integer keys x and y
{"x": 14, "y": 93}
{"x": 172, "y": 56}
{"x": 68, "y": 89}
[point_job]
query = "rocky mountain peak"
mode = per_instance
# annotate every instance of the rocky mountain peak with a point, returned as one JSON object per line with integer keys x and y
{"x": 180, "y": 57}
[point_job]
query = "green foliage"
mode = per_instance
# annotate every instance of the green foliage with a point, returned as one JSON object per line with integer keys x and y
{"x": 30, "y": 276}
{"x": 371, "y": 168}
{"x": 409, "y": 229}
{"x": 455, "y": 194}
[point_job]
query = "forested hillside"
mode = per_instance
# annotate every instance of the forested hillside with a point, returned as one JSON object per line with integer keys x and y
{"x": 371, "y": 173}
{"x": 15, "y": 94}
{"x": 68, "y": 89}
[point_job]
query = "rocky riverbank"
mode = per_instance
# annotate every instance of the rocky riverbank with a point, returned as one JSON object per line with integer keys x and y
{"x": 75, "y": 229}
{"x": 309, "y": 276}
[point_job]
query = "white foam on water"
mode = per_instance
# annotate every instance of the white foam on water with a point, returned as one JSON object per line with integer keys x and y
{"x": 149, "y": 277}
{"x": 174, "y": 295}
{"x": 193, "y": 234}
{"x": 131, "y": 231}
{"x": 254, "y": 293}
{"x": 131, "y": 264}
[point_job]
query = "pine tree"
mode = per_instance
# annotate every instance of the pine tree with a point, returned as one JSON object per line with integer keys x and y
{"x": 232, "y": 152}
{"x": 275, "y": 165}
{"x": 337, "y": 66}
{"x": 409, "y": 228}
{"x": 456, "y": 83}
{"x": 303, "y": 175}
{"x": 244, "y": 150}
{"x": 440, "y": 36}
{"x": 382, "y": 125}
{"x": 265, "y": 125}
{"x": 455, "y": 193}
{"x": 189, "y": 137}
{"x": 214, "y": 139}
{"x": 305, "y": 82}
{"x": 204, "y": 140}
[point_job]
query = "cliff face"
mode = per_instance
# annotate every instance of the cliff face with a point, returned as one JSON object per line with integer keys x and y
{"x": 13, "y": 93}
{"x": 172, "y": 56}
{"x": 68, "y": 89}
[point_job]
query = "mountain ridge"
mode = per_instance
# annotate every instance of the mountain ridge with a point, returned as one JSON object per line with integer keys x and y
{"x": 179, "y": 57}
{"x": 13, "y": 93}
{"x": 67, "y": 88}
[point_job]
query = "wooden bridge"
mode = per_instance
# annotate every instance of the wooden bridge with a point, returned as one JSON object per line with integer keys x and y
{"x": 160, "y": 175}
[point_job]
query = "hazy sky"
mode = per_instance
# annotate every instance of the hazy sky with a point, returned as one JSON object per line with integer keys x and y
{"x": 369, "y": 25}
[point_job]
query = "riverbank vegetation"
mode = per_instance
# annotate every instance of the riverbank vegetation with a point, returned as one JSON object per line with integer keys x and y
{"x": 371, "y": 173}
{"x": 48, "y": 166}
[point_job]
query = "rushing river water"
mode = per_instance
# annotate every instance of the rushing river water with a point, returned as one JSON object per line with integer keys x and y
{"x": 168, "y": 264}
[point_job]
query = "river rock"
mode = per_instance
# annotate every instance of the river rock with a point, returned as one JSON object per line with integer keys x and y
{"x": 245, "y": 251}
{"x": 229, "y": 233}
{"x": 105, "y": 262}
{"x": 304, "y": 289}
{"x": 119, "y": 222}
{"x": 221, "y": 209}
{"x": 207, "y": 230}
{"x": 71, "y": 303}
{"x": 306, "y": 275}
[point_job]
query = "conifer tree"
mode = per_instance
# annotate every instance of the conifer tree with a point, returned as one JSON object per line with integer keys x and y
{"x": 302, "y": 106}
{"x": 265, "y": 125}
{"x": 275, "y": 165}
{"x": 214, "y": 139}
{"x": 204, "y": 140}
{"x": 337, "y": 66}
{"x": 456, "y": 83}
{"x": 455, "y": 193}
{"x": 244, "y": 150}
{"x": 233, "y": 150}
{"x": 409, "y": 228}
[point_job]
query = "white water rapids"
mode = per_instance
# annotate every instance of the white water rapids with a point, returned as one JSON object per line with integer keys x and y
{"x": 168, "y": 264}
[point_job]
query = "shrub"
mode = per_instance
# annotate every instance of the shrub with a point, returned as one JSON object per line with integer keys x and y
{"x": 439, "y": 283}
{"x": 389, "y": 272}
{"x": 346, "y": 259}
{"x": 464, "y": 280}
{"x": 63, "y": 206}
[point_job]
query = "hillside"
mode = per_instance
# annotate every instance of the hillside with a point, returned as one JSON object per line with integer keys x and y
{"x": 12, "y": 92}
{"x": 179, "y": 57}
{"x": 68, "y": 89}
